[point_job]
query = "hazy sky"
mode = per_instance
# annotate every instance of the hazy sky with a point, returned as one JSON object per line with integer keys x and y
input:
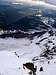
{"x": 50, "y": 1}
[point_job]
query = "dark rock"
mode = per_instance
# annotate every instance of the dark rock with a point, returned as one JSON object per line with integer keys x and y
{"x": 48, "y": 62}
{"x": 49, "y": 41}
{"x": 31, "y": 67}
{"x": 41, "y": 68}
{"x": 53, "y": 43}
{"x": 30, "y": 73}
{"x": 37, "y": 43}
{"x": 16, "y": 54}
{"x": 54, "y": 50}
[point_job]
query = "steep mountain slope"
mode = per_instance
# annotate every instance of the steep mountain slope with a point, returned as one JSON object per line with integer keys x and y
{"x": 41, "y": 51}
{"x": 29, "y": 26}
{"x": 26, "y": 37}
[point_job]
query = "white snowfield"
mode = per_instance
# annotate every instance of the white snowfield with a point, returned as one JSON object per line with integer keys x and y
{"x": 10, "y": 64}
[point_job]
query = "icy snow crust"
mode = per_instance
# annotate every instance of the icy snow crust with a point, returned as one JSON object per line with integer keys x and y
{"x": 27, "y": 49}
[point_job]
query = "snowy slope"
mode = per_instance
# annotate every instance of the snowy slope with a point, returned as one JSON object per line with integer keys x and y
{"x": 40, "y": 50}
{"x": 27, "y": 50}
{"x": 10, "y": 65}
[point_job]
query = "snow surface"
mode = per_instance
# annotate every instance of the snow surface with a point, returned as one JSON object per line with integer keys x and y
{"x": 10, "y": 64}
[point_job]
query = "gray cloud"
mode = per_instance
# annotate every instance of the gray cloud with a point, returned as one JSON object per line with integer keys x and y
{"x": 52, "y": 1}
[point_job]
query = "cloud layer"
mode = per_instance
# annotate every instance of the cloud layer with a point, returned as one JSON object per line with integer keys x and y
{"x": 49, "y": 1}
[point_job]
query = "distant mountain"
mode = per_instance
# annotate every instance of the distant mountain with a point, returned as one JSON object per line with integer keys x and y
{"x": 24, "y": 20}
{"x": 29, "y": 27}
{"x": 16, "y": 17}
